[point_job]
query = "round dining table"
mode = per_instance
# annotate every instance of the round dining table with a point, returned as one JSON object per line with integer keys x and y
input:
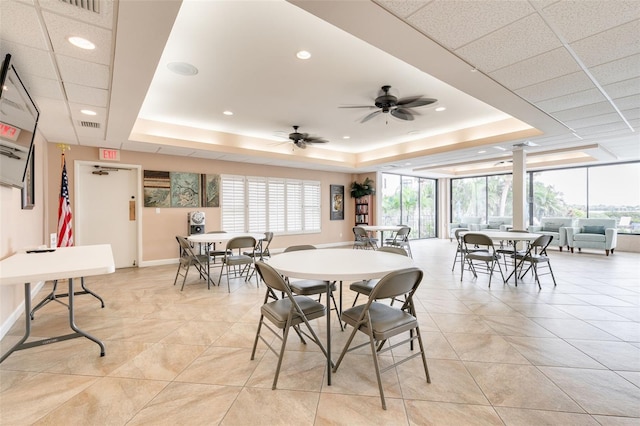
{"x": 338, "y": 264}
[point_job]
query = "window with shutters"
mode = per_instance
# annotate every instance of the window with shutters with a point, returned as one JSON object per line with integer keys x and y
{"x": 258, "y": 204}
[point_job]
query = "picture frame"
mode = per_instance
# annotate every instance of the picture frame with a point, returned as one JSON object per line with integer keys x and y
{"x": 28, "y": 186}
{"x": 336, "y": 202}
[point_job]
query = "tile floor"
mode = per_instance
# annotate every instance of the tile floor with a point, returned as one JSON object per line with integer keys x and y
{"x": 568, "y": 355}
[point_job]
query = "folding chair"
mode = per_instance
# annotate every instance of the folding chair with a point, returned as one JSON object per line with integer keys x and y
{"x": 381, "y": 322}
{"x": 480, "y": 261}
{"x": 536, "y": 258}
{"x": 188, "y": 258}
{"x": 290, "y": 311}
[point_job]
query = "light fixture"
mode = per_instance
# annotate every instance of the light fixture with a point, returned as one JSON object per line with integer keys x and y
{"x": 499, "y": 148}
{"x": 82, "y": 43}
{"x": 346, "y": 137}
{"x": 182, "y": 68}
{"x": 474, "y": 69}
{"x": 303, "y": 54}
{"x": 227, "y": 112}
{"x": 440, "y": 109}
{"x": 481, "y": 152}
{"x": 88, "y": 112}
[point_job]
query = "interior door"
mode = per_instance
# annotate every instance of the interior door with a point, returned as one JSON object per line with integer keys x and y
{"x": 106, "y": 209}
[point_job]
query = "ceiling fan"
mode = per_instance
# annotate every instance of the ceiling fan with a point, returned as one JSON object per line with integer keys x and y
{"x": 302, "y": 139}
{"x": 399, "y": 108}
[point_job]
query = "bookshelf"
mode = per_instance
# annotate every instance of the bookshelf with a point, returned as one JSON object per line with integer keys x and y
{"x": 362, "y": 210}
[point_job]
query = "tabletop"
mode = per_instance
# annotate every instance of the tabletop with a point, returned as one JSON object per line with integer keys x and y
{"x": 507, "y": 235}
{"x": 374, "y": 228}
{"x": 222, "y": 237}
{"x": 339, "y": 264}
{"x": 64, "y": 262}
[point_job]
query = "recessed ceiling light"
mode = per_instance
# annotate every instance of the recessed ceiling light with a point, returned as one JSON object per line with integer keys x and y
{"x": 227, "y": 112}
{"x": 182, "y": 68}
{"x": 346, "y": 137}
{"x": 82, "y": 43}
{"x": 88, "y": 112}
{"x": 481, "y": 152}
{"x": 499, "y": 148}
{"x": 474, "y": 69}
{"x": 439, "y": 109}
{"x": 413, "y": 132}
{"x": 303, "y": 54}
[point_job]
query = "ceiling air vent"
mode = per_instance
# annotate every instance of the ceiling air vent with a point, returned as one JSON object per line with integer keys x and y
{"x": 90, "y": 5}
{"x": 90, "y": 124}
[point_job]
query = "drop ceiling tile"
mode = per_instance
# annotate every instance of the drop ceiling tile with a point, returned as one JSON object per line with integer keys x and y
{"x": 402, "y": 8}
{"x": 19, "y": 23}
{"x": 627, "y": 102}
{"x": 573, "y": 100}
{"x": 616, "y": 43}
{"x": 86, "y": 95}
{"x": 576, "y": 20}
{"x": 29, "y": 60}
{"x": 604, "y": 129}
{"x": 56, "y": 125}
{"x": 78, "y": 116}
{"x": 478, "y": 19}
{"x": 46, "y": 87}
{"x": 620, "y": 69}
{"x": 61, "y": 28}
{"x": 83, "y": 73}
{"x": 585, "y": 111}
{"x": 623, "y": 88}
{"x": 537, "y": 69}
{"x": 103, "y": 18}
{"x": 522, "y": 39}
{"x": 560, "y": 86}
{"x": 581, "y": 123}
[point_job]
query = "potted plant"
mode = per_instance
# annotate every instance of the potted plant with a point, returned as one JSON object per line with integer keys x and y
{"x": 359, "y": 190}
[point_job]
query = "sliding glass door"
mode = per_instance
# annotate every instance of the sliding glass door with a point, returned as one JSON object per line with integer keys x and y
{"x": 410, "y": 201}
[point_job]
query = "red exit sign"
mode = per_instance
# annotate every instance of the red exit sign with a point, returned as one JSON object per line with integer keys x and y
{"x": 9, "y": 132}
{"x": 110, "y": 154}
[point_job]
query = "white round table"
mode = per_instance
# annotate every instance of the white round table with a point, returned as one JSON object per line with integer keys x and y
{"x": 220, "y": 237}
{"x": 338, "y": 265}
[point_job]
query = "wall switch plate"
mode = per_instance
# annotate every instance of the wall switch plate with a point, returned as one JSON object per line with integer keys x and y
{"x": 53, "y": 240}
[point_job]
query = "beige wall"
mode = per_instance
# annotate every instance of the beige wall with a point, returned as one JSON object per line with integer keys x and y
{"x": 159, "y": 229}
{"x": 21, "y": 229}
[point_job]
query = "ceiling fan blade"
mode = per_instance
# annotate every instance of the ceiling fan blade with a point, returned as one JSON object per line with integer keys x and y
{"x": 402, "y": 114}
{"x": 416, "y": 101}
{"x": 358, "y": 106}
{"x": 314, "y": 139}
{"x": 370, "y": 116}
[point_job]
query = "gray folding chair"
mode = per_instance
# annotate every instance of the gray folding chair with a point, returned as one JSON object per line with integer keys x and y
{"x": 290, "y": 311}
{"x": 480, "y": 261}
{"x": 365, "y": 286}
{"x": 234, "y": 257}
{"x": 536, "y": 256}
{"x": 361, "y": 239}
{"x": 401, "y": 239}
{"x": 381, "y": 322}
{"x": 189, "y": 258}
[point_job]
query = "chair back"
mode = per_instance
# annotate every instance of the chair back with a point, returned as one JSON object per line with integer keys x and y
{"x": 457, "y": 233}
{"x": 241, "y": 242}
{"x": 185, "y": 247}
{"x": 299, "y": 248}
{"x": 403, "y": 234}
{"x": 360, "y": 233}
{"x": 268, "y": 236}
{"x": 477, "y": 239}
{"x": 272, "y": 278}
{"x": 394, "y": 250}
{"x": 397, "y": 283}
{"x": 543, "y": 242}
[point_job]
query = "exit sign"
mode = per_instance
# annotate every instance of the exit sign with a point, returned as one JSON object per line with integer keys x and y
{"x": 110, "y": 154}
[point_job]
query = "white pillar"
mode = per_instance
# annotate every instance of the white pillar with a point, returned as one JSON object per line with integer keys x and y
{"x": 519, "y": 188}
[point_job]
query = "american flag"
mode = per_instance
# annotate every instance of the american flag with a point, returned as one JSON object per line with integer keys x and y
{"x": 65, "y": 233}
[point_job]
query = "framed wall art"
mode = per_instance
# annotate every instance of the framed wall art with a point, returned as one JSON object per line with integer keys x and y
{"x": 337, "y": 202}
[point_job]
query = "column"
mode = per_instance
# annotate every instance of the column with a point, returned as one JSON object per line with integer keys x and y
{"x": 519, "y": 188}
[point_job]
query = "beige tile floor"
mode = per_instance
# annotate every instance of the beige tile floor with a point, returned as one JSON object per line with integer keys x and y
{"x": 568, "y": 355}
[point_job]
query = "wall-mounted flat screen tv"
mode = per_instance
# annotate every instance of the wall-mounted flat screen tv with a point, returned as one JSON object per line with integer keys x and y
{"x": 18, "y": 121}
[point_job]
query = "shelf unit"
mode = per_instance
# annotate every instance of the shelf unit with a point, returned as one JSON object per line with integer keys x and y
{"x": 363, "y": 216}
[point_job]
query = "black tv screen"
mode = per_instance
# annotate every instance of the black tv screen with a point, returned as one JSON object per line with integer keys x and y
{"x": 18, "y": 122}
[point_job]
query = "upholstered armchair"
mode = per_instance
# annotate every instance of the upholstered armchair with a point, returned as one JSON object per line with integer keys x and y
{"x": 464, "y": 223}
{"x": 556, "y": 227}
{"x": 496, "y": 223}
{"x": 593, "y": 233}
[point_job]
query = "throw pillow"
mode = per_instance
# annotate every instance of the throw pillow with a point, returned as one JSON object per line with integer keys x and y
{"x": 549, "y": 228}
{"x": 593, "y": 229}
{"x": 495, "y": 224}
